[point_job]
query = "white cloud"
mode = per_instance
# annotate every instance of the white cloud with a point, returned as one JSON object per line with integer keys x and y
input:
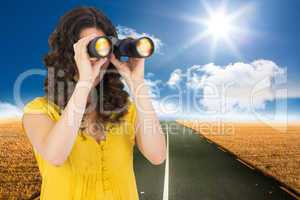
{"x": 246, "y": 86}
{"x": 8, "y": 110}
{"x": 238, "y": 86}
{"x": 153, "y": 85}
{"x": 124, "y": 32}
{"x": 165, "y": 109}
{"x": 194, "y": 76}
{"x": 149, "y": 75}
{"x": 175, "y": 77}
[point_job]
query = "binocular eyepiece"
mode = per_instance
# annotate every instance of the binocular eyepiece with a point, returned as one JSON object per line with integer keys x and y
{"x": 103, "y": 46}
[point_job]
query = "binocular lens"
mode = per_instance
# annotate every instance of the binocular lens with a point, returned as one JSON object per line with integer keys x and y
{"x": 103, "y": 46}
{"x": 144, "y": 47}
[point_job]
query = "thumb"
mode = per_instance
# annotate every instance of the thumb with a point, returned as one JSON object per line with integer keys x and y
{"x": 117, "y": 63}
{"x": 99, "y": 63}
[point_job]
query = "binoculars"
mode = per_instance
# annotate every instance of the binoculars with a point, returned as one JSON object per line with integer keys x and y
{"x": 103, "y": 46}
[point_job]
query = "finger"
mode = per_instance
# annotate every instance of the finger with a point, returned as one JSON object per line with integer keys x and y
{"x": 99, "y": 63}
{"x": 82, "y": 44}
{"x": 87, "y": 38}
{"x": 116, "y": 62}
{"x": 79, "y": 45}
{"x": 136, "y": 60}
{"x": 122, "y": 67}
{"x": 84, "y": 41}
{"x": 100, "y": 68}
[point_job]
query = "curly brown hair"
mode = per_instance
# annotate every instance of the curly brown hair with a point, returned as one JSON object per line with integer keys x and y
{"x": 112, "y": 103}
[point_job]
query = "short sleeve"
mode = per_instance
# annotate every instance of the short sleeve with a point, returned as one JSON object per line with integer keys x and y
{"x": 132, "y": 120}
{"x": 36, "y": 106}
{"x": 40, "y": 105}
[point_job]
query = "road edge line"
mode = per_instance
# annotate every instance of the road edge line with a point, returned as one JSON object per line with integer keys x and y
{"x": 244, "y": 163}
{"x": 221, "y": 149}
{"x": 166, "y": 178}
{"x": 288, "y": 191}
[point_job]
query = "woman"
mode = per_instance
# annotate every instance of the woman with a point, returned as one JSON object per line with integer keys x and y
{"x": 83, "y": 142}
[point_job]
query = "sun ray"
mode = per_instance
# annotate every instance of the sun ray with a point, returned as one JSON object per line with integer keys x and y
{"x": 233, "y": 48}
{"x": 196, "y": 39}
{"x": 220, "y": 25}
{"x": 213, "y": 48}
{"x": 248, "y": 8}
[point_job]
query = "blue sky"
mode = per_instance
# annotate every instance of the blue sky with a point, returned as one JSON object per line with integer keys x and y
{"x": 269, "y": 36}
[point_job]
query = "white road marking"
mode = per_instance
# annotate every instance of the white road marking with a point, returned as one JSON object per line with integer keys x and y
{"x": 288, "y": 191}
{"x": 245, "y": 164}
{"x": 209, "y": 141}
{"x": 221, "y": 149}
{"x": 166, "y": 179}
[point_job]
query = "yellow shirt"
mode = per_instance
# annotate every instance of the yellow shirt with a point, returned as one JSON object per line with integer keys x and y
{"x": 92, "y": 171}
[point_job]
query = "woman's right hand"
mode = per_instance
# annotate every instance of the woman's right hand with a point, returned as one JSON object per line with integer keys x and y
{"x": 87, "y": 71}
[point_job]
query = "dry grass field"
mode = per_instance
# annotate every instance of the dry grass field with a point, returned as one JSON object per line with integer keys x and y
{"x": 19, "y": 174}
{"x": 273, "y": 149}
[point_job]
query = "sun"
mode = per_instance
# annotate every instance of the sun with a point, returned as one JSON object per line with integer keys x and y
{"x": 219, "y": 25}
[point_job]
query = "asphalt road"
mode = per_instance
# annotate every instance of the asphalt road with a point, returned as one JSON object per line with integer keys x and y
{"x": 200, "y": 170}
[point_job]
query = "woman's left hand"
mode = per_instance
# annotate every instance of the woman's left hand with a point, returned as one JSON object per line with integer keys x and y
{"x": 132, "y": 70}
{"x": 150, "y": 141}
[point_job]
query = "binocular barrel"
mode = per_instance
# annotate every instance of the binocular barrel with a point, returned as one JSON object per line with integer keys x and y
{"x": 103, "y": 46}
